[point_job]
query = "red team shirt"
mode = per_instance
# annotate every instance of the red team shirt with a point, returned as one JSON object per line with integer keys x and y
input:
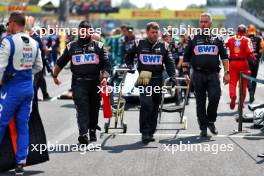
{"x": 240, "y": 48}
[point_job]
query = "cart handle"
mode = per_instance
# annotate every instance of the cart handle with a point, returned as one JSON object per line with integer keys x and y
{"x": 124, "y": 69}
{"x": 177, "y": 78}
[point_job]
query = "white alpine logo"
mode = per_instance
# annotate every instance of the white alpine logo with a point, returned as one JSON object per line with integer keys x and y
{"x": 3, "y": 96}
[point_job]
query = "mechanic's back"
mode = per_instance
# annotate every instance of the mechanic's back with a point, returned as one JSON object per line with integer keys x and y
{"x": 19, "y": 57}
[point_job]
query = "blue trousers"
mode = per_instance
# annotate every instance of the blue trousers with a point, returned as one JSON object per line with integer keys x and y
{"x": 15, "y": 101}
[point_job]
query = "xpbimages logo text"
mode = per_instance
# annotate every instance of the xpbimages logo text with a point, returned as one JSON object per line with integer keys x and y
{"x": 148, "y": 90}
{"x": 57, "y": 147}
{"x": 69, "y": 31}
{"x": 197, "y": 147}
{"x": 189, "y": 30}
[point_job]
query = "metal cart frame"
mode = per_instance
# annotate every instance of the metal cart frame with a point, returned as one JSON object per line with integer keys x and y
{"x": 181, "y": 108}
{"x": 119, "y": 105}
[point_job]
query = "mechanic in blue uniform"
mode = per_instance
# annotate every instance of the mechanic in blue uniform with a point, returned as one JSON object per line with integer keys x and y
{"x": 52, "y": 42}
{"x": 55, "y": 44}
{"x": 20, "y": 57}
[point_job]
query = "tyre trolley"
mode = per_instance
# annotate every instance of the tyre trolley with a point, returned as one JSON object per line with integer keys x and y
{"x": 175, "y": 108}
{"x": 118, "y": 106}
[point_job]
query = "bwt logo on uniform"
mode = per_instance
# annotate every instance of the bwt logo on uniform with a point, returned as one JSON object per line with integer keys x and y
{"x": 206, "y": 49}
{"x": 151, "y": 59}
{"x": 81, "y": 59}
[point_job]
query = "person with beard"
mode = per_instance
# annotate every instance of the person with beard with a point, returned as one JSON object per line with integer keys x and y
{"x": 152, "y": 55}
{"x": 88, "y": 60}
{"x": 202, "y": 53}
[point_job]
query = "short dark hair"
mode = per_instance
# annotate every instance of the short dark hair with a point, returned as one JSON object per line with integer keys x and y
{"x": 152, "y": 25}
{"x": 85, "y": 24}
{"x": 124, "y": 26}
{"x": 19, "y": 18}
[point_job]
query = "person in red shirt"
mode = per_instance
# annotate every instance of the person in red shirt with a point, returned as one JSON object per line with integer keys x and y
{"x": 240, "y": 48}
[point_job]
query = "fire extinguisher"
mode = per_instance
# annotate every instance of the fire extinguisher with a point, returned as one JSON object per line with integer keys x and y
{"x": 106, "y": 100}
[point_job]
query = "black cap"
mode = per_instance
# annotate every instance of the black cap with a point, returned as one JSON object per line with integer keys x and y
{"x": 130, "y": 29}
{"x": 85, "y": 24}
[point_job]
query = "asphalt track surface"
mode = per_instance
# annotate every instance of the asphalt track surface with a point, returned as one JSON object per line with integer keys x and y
{"x": 118, "y": 154}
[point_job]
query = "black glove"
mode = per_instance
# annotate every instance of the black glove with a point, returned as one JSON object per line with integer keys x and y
{"x": 172, "y": 82}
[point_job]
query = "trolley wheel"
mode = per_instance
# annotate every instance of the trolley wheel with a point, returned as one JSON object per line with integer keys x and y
{"x": 106, "y": 127}
{"x": 124, "y": 128}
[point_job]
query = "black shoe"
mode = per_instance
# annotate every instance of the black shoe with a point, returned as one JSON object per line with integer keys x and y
{"x": 151, "y": 138}
{"x": 251, "y": 99}
{"x": 203, "y": 133}
{"x": 46, "y": 98}
{"x": 92, "y": 135}
{"x": 83, "y": 139}
{"x": 212, "y": 128}
{"x": 261, "y": 155}
{"x": 19, "y": 170}
{"x": 98, "y": 128}
{"x": 145, "y": 139}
